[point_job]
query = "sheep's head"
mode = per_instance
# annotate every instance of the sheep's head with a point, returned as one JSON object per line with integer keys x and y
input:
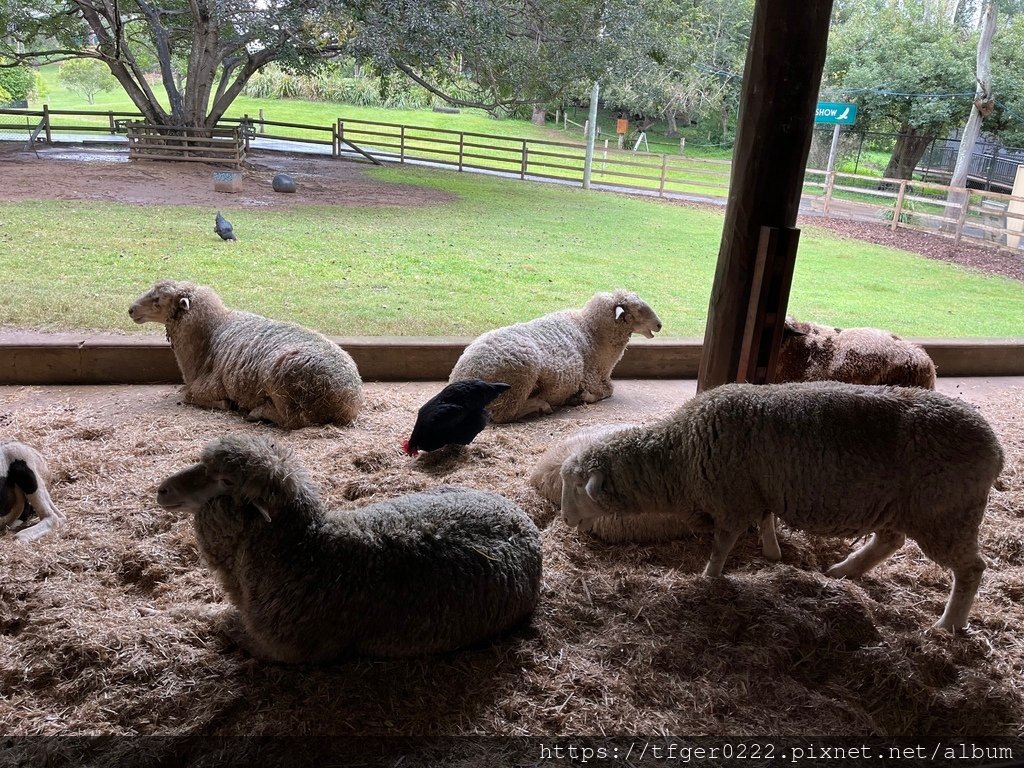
{"x": 630, "y": 311}
{"x": 165, "y": 300}
{"x": 253, "y": 472}
{"x": 584, "y": 495}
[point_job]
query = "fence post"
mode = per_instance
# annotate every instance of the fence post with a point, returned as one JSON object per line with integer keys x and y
{"x": 522, "y": 163}
{"x": 682, "y": 144}
{"x": 401, "y": 144}
{"x": 46, "y": 123}
{"x": 899, "y": 206}
{"x": 962, "y": 218}
{"x": 664, "y": 173}
{"x": 263, "y": 128}
{"x": 335, "y": 144}
{"x": 830, "y": 182}
{"x": 245, "y": 125}
{"x": 462, "y": 140}
{"x": 110, "y": 119}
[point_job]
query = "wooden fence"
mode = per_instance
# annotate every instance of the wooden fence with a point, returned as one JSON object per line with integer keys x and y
{"x": 221, "y": 146}
{"x": 987, "y": 218}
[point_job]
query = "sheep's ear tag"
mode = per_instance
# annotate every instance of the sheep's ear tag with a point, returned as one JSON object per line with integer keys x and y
{"x": 594, "y": 485}
{"x": 619, "y": 312}
{"x": 184, "y": 302}
{"x": 263, "y": 511}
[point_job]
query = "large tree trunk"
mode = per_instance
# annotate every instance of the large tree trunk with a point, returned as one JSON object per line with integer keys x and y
{"x": 909, "y": 149}
{"x": 539, "y": 113}
{"x": 984, "y": 102}
{"x": 673, "y": 130}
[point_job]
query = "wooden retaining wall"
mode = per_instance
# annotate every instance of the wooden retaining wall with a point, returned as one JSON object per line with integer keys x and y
{"x": 40, "y": 359}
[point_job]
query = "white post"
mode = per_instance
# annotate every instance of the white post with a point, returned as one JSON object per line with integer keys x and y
{"x": 682, "y": 144}
{"x": 588, "y": 159}
{"x": 1015, "y": 211}
{"x": 834, "y": 149}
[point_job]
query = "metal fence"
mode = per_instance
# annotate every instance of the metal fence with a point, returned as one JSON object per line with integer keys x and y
{"x": 986, "y": 217}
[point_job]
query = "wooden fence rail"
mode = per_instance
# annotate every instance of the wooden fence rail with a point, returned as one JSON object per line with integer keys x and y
{"x": 988, "y": 218}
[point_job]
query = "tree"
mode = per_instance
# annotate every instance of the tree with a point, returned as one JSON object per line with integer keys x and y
{"x": 983, "y": 105}
{"x": 15, "y": 82}
{"x": 907, "y": 67}
{"x": 86, "y": 77}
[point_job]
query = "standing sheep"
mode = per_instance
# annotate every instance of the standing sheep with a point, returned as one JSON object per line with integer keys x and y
{"x": 24, "y": 475}
{"x": 562, "y": 357}
{"x": 827, "y": 458}
{"x": 271, "y": 370}
{"x": 419, "y": 574}
{"x": 813, "y": 352}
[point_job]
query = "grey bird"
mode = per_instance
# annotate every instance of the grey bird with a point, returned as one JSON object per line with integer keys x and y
{"x": 223, "y": 228}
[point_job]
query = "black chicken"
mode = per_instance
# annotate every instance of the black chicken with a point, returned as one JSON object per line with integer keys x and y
{"x": 454, "y": 416}
{"x": 223, "y": 228}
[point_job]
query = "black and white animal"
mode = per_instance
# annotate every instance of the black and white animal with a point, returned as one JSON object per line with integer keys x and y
{"x": 454, "y": 416}
{"x": 223, "y": 228}
{"x": 424, "y": 573}
{"x": 23, "y": 478}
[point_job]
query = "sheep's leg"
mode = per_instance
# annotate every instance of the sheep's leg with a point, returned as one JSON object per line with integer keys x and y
{"x": 721, "y": 546}
{"x": 769, "y": 542}
{"x": 593, "y": 391}
{"x": 17, "y": 507}
{"x": 265, "y": 411}
{"x": 880, "y": 546}
{"x": 966, "y": 580}
{"x": 208, "y": 394}
{"x": 49, "y": 516}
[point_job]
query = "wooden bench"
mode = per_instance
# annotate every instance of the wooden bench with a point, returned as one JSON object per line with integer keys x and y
{"x": 221, "y": 146}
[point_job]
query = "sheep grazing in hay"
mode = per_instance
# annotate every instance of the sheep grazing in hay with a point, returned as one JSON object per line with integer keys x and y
{"x": 546, "y": 478}
{"x": 23, "y": 477}
{"x": 419, "y": 574}
{"x": 562, "y": 358}
{"x": 827, "y": 458}
{"x": 270, "y": 370}
{"x": 813, "y": 352}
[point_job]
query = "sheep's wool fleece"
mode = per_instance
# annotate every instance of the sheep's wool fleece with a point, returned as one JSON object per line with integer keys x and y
{"x": 419, "y": 574}
{"x": 828, "y": 458}
{"x": 852, "y": 355}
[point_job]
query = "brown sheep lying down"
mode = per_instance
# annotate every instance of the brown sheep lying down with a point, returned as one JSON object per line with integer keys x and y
{"x": 419, "y": 574}
{"x": 813, "y": 352}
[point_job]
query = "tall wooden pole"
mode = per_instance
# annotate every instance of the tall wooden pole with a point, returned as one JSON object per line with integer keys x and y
{"x": 785, "y": 59}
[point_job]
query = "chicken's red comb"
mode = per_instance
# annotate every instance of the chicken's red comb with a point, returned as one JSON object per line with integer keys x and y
{"x": 407, "y": 450}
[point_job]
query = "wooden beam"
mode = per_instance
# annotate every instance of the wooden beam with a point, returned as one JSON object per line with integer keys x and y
{"x": 781, "y": 78}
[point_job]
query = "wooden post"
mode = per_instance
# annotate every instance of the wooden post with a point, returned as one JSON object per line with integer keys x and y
{"x": 899, "y": 206}
{"x": 401, "y": 144}
{"x": 46, "y": 123}
{"x": 962, "y": 218}
{"x": 462, "y": 142}
{"x": 110, "y": 119}
{"x": 263, "y": 128}
{"x": 781, "y": 78}
{"x": 335, "y": 144}
{"x": 830, "y": 183}
{"x": 664, "y": 173}
{"x": 522, "y": 164}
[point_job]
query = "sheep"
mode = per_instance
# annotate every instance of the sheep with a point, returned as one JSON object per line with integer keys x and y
{"x": 813, "y": 352}
{"x": 418, "y": 574}
{"x": 561, "y": 358}
{"x": 828, "y": 458}
{"x": 546, "y": 478}
{"x": 24, "y": 475}
{"x": 267, "y": 369}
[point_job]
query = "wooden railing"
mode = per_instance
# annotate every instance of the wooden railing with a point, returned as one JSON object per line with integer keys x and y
{"x": 221, "y": 146}
{"x": 988, "y": 218}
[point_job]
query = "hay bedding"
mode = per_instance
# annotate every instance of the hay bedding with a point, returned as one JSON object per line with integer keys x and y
{"x": 111, "y": 627}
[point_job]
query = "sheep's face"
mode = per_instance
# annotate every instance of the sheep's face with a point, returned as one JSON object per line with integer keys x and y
{"x": 159, "y": 303}
{"x": 633, "y": 312}
{"x": 583, "y": 495}
{"x": 191, "y": 488}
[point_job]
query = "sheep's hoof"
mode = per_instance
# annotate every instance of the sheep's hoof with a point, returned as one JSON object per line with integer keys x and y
{"x": 843, "y": 571}
{"x": 773, "y": 554}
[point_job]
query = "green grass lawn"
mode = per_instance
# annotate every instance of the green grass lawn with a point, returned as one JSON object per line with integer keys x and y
{"x": 504, "y": 251}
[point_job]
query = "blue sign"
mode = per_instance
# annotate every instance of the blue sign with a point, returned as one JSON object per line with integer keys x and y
{"x": 835, "y": 113}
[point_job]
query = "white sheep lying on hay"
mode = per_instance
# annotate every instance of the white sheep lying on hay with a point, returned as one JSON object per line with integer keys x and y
{"x": 827, "y": 458}
{"x": 813, "y": 352}
{"x": 271, "y": 370}
{"x": 418, "y": 574}
{"x": 562, "y": 357}
{"x": 24, "y": 474}
{"x": 547, "y": 479}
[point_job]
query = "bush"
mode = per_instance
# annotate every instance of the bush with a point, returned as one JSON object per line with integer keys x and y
{"x": 330, "y": 83}
{"x": 15, "y": 83}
